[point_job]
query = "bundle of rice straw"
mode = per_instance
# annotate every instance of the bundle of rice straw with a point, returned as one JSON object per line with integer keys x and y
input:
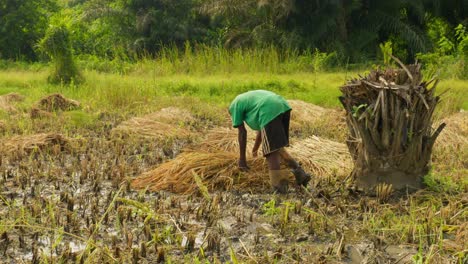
{"x": 12, "y": 97}
{"x": 319, "y": 155}
{"x": 36, "y": 113}
{"x": 303, "y": 112}
{"x": 451, "y": 150}
{"x": 29, "y": 143}
{"x": 217, "y": 168}
{"x": 310, "y": 119}
{"x": 7, "y": 100}
{"x": 166, "y": 123}
{"x": 172, "y": 115}
{"x": 225, "y": 139}
{"x": 55, "y": 102}
{"x": 457, "y": 123}
{"x": 322, "y": 157}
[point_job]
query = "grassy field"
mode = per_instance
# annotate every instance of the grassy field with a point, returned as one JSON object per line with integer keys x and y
{"x": 74, "y": 203}
{"x": 148, "y": 90}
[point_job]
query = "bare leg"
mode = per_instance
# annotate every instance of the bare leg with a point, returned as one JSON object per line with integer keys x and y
{"x": 302, "y": 178}
{"x": 290, "y": 162}
{"x": 274, "y": 160}
{"x": 278, "y": 177}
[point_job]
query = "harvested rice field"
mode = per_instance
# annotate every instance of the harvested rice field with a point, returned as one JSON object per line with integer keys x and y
{"x": 156, "y": 181}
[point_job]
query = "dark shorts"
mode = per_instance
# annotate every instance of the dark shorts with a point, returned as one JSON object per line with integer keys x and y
{"x": 275, "y": 135}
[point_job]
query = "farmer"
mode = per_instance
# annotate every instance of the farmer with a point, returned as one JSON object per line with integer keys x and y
{"x": 268, "y": 114}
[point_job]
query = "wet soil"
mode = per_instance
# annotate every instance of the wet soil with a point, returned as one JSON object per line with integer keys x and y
{"x": 76, "y": 205}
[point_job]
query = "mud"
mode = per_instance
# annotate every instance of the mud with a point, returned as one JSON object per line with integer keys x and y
{"x": 75, "y": 205}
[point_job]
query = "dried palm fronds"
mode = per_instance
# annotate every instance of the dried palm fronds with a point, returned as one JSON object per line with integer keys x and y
{"x": 322, "y": 157}
{"x": 167, "y": 123}
{"x": 29, "y": 143}
{"x": 389, "y": 116}
{"x": 309, "y": 119}
{"x": 56, "y": 102}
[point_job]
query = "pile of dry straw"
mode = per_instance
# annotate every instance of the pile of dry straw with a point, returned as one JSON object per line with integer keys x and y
{"x": 7, "y": 102}
{"x": 451, "y": 148}
{"x": 49, "y": 104}
{"x": 309, "y": 119}
{"x": 57, "y": 102}
{"x": 29, "y": 143}
{"x": 171, "y": 122}
{"x": 213, "y": 163}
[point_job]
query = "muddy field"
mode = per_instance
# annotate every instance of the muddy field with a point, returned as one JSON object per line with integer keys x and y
{"x": 68, "y": 197}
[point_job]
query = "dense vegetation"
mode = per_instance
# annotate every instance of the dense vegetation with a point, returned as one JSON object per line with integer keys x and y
{"x": 349, "y": 31}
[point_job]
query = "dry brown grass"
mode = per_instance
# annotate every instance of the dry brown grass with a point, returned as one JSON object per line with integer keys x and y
{"x": 36, "y": 113}
{"x": 450, "y": 155}
{"x": 2, "y": 126}
{"x": 172, "y": 115}
{"x": 217, "y": 170}
{"x": 169, "y": 122}
{"x": 56, "y": 102}
{"x": 322, "y": 157}
{"x": 216, "y": 165}
{"x": 28, "y": 143}
{"x": 462, "y": 236}
{"x": 7, "y": 100}
{"x": 224, "y": 139}
{"x": 309, "y": 119}
{"x": 13, "y": 97}
{"x": 457, "y": 123}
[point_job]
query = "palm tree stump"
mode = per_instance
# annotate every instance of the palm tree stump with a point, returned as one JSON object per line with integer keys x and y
{"x": 389, "y": 116}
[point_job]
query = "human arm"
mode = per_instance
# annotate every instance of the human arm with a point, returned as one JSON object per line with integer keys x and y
{"x": 258, "y": 140}
{"x": 242, "y": 137}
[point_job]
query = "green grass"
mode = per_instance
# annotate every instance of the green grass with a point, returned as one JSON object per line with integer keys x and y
{"x": 148, "y": 90}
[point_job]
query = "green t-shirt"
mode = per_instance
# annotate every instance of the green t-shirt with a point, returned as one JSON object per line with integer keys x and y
{"x": 257, "y": 108}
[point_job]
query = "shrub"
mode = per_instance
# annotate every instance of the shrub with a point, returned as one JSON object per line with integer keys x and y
{"x": 56, "y": 44}
{"x": 450, "y": 55}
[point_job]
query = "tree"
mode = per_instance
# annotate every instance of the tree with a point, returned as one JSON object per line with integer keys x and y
{"x": 352, "y": 27}
{"x": 249, "y": 23}
{"x": 22, "y": 24}
{"x": 165, "y": 22}
{"x": 102, "y": 27}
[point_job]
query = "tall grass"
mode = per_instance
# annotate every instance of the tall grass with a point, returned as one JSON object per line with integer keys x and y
{"x": 207, "y": 74}
{"x": 202, "y": 59}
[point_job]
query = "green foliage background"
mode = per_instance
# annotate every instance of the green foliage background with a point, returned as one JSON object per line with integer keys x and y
{"x": 350, "y": 30}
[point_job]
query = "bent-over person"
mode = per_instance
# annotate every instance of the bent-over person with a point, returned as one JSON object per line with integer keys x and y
{"x": 268, "y": 114}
